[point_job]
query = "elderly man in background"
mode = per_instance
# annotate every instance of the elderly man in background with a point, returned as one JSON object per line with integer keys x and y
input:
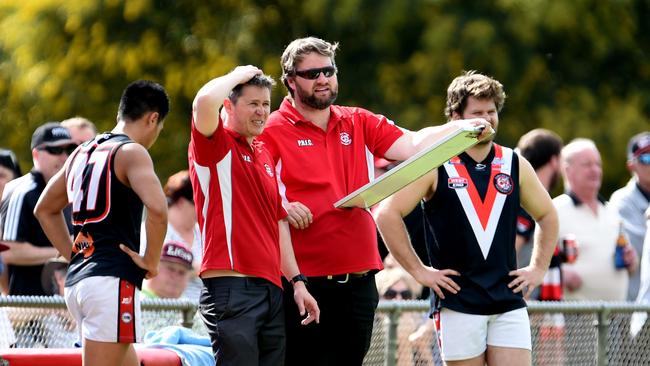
{"x": 596, "y": 226}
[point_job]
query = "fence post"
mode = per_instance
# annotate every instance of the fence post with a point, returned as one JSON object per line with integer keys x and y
{"x": 188, "y": 317}
{"x": 603, "y": 327}
{"x": 391, "y": 349}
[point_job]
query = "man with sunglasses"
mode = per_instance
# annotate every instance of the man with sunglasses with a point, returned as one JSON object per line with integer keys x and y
{"x": 632, "y": 201}
{"x": 29, "y": 248}
{"x": 322, "y": 152}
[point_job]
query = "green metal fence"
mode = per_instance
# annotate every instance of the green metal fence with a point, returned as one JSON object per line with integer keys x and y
{"x": 564, "y": 333}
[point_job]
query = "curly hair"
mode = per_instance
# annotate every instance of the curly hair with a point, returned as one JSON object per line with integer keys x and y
{"x": 472, "y": 84}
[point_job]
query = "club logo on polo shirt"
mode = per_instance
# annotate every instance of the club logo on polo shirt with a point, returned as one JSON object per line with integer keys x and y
{"x": 268, "y": 169}
{"x": 345, "y": 138}
{"x": 305, "y": 142}
{"x": 246, "y": 158}
{"x": 503, "y": 183}
{"x": 456, "y": 182}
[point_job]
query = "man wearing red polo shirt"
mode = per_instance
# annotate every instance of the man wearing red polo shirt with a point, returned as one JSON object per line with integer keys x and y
{"x": 246, "y": 239}
{"x": 322, "y": 152}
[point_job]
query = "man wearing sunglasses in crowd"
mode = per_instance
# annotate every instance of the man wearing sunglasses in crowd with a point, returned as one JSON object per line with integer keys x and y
{"x": 632, "y": 201}
{"x": 29, "y": 248}
{"x": 321, "y": 153}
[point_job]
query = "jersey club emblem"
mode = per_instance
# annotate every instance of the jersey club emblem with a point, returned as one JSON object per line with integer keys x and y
{"x": 503, "y": 183}
{"x": 268, "y": 169}
{"x": 345, "y": 138}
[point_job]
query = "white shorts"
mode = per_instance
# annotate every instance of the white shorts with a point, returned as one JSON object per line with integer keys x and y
{"x": 463, "y": 336}
{"x": 106, "y": 309}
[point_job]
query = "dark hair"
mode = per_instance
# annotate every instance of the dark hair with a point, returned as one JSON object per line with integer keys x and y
{"x": 141, "y": 97}
{"x": 538, "y": 146}
{"x": 262, "y": 81}
{"x": 9, "y": 161}
{"x": 178, "y": 186}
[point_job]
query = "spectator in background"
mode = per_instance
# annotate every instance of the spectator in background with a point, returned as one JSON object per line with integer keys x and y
{"x": 21, "y": 231}
{"x": 596, "y": 226}
{"x": 183, "y": 227}
{"x": 396, "y": 284}
{"x": 7, "y": 335}
{"x": 53, "y": 276}
{"x": 632, "y": 201}
{"x": 9, "y": 170}
{"x": 542, "y": 149}
{"x": 80, "y": 128}
{"x": 639, "y": 318}
{"x": 174, "y": 272}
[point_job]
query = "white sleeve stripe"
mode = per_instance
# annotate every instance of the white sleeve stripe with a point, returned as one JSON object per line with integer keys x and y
{"x": 370, "y": 164}
{"x": 282, "y": 188}
{"x": 203, "y": 173}
{"x": 224, "y": 172}
{"x": 12, "y": 216}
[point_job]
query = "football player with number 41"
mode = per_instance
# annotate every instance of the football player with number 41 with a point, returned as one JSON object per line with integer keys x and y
{"x": 108, "y": 180}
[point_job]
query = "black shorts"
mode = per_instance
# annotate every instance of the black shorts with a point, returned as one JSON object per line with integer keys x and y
{"x": 245, "y": 320}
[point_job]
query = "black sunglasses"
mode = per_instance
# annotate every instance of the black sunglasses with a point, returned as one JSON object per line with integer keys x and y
{"x": 391, "y": 294}
{"x": 58, "y": 150}
{"x": 313, "y": 74}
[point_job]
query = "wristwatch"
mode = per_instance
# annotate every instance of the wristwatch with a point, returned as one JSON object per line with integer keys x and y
{"x": 299, "y": 277}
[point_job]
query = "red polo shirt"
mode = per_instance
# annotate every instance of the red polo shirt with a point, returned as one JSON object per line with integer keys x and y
{"x": 318, "y": 168}
{"x": 237, "y": 204}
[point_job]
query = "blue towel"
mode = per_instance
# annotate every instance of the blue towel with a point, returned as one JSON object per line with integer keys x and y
{"x": 194, "y": 350}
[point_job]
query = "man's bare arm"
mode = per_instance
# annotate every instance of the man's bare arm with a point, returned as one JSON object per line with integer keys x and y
{"x": 49, "y": 212}
{"x": 536, "y": 201}
{"x": 304, "y": 300}
{"x": 411, "y": 142}
{"x": 208, "y": 100}
{"x": 389, "y": 217}
{"x": 134, "y": 167}
{"x": 22, "y": 253}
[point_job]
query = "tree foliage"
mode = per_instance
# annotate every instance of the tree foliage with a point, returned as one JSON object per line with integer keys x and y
{"x": 579, "y": 67}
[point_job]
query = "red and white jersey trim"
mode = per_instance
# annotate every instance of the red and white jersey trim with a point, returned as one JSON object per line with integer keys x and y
{"x": 483, "y": 216}
{"x": 224, "y": 173}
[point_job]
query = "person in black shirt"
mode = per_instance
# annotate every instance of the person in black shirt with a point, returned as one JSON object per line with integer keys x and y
{"x": 29, "y": 248}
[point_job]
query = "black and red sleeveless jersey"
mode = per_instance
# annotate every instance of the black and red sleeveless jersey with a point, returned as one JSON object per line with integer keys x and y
{"x": 105, "y": 213}
{"x": 473, "y": 216}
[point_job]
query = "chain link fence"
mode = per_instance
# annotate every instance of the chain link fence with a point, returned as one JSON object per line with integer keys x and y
{"x": 564, "y": 333}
